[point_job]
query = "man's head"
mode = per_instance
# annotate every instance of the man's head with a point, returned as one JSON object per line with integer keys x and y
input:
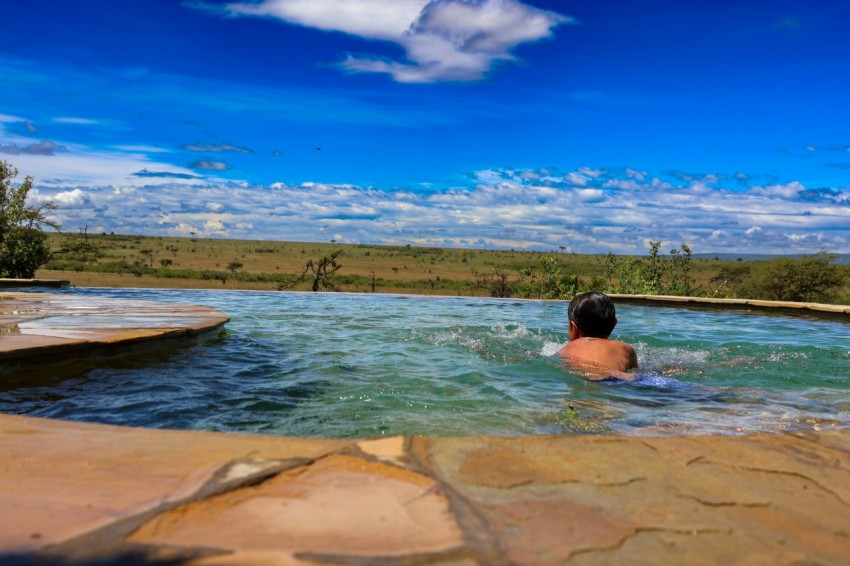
{"x": 593, "y": 314}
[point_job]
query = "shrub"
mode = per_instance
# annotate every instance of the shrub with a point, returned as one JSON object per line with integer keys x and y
{"x": 812, "y": 278}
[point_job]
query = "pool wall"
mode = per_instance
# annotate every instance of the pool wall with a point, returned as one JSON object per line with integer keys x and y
{"x": 778, "y": 307}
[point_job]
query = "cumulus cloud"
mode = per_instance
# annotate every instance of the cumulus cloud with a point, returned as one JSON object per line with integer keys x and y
{"x": 457, "y": 40}
{"x": 76, "y": 198}
{"x": 576, "y": 179}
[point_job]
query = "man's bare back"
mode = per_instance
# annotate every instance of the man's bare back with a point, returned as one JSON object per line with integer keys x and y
{"x": 592, "y": 317}
{"x": 600, "y": 354}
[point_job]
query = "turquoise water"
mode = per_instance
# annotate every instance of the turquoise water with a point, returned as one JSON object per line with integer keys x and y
{"x": 347, "y": 365}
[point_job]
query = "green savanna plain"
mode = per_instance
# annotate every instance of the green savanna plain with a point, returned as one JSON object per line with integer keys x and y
{"x": 111, "y": 260}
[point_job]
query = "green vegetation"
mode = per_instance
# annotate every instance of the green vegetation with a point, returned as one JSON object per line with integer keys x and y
{"x": 654, "y": 275}
{"x": 152, "y": 261}
{"x": 812, "y": 278}
{"x": 23, "y": 244}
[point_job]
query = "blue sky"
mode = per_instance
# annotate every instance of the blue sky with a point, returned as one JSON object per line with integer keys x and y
{"x": 592, "y": 124}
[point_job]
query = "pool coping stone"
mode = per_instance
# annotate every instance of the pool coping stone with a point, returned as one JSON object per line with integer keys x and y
{"x": 41, "y": 330}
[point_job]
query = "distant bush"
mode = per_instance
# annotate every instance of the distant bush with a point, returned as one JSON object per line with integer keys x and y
{"x": 550, "y": 281}
{"x": 655, "y": 274}
{"x": 812, "y": 278}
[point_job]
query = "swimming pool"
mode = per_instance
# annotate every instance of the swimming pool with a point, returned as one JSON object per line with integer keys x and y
{"x": 349, "y": 365}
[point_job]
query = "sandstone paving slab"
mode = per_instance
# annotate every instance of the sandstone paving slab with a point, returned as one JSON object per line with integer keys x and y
{"x": 68, "y": 489}
{"x": 608, "y": 500}
{"x": 340, "y": 505}
{"x": 63, "y": 479}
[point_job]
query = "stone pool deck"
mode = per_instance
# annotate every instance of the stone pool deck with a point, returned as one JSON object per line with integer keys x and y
{"x": 38, "y": 330}
{"x": 75, "y": 493}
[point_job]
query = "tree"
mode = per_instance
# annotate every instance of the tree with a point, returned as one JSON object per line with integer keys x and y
{"x": 812, "y": 278}
{"x": 234, "y": 266}
{"x": 23, "y": 244}
{"x": 496, "y": 283}
{"x": 322, "y": 271}
{"x": 148, "y": 254}
{"x": 81, "y": 249}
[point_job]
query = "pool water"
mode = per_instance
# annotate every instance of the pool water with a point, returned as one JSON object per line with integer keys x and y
{"x": 349, "y": 365}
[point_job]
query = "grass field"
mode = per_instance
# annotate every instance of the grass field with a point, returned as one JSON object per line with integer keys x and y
{"x": 152, "y": 261}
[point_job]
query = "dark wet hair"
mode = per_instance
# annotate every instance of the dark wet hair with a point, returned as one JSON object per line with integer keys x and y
{"x": 593, "y": 313}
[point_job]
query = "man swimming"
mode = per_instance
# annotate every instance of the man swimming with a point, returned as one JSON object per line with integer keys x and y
{"x": 592, "y": 318}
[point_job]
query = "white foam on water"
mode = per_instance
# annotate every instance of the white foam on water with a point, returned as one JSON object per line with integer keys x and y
{"x": 509, "y": 331}
{"x": 550, "y": 348}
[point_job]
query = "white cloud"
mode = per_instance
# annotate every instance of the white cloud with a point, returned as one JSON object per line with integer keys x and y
{"x": 576, "y": 179}
{"x": 443, "y": 39}
{"x": 635, "y": 174}
{"x": 376, "y": 19}
{"x": 86, "y": 168}
{"x": 788, "y": 190}
{"x": 72, "y": 199}
{"x": 142, "y": 148}
{"x": 214, "y": 226}
{"x": 73, "y": 120}
{"x": 589, "y": 172}
{"x": 513, "y": 208}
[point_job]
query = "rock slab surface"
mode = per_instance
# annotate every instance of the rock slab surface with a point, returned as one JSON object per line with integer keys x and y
{"x": 72, "y": 492}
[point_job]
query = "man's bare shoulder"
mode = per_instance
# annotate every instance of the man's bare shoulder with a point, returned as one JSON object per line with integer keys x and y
{"x": 611, "y": 354}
